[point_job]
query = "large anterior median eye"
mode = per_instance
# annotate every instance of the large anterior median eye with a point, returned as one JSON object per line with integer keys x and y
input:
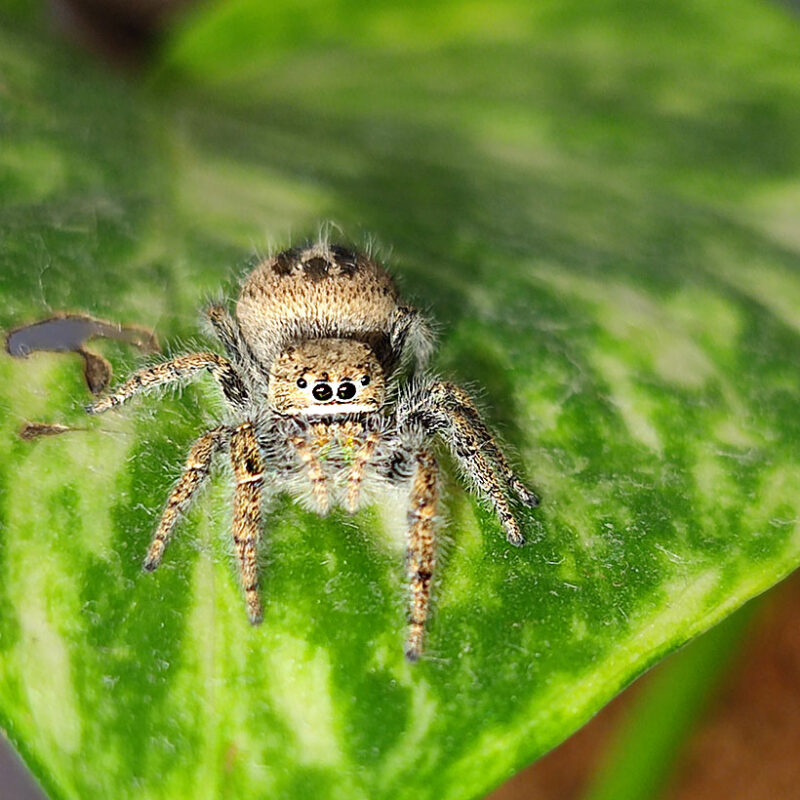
{"x": 322, "y": 392}
{"x": 346, "y": 390}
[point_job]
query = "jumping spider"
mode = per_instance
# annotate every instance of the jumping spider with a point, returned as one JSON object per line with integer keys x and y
{"x": 321, "y": 406}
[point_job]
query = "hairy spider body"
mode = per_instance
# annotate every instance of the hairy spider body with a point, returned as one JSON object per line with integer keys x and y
{"x": 321, "y": 406}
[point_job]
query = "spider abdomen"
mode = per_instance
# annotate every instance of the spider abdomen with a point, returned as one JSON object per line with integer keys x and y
{"x": 315, "y": 292}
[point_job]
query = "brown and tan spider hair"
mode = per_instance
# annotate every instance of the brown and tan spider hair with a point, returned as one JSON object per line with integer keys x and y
{"x": 324, "y": 377}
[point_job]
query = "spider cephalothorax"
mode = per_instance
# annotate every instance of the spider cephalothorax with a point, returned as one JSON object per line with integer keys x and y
{"x": 316, "y": 378}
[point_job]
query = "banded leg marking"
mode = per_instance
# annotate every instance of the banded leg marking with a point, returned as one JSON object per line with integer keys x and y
{"x": 228, "y": 332}
{"x": 226, "y": 329}
{"x": 356, "y": 475}
{"x": 180, "y": 368}
{"x": 467, "y": 448}
{"x": 467, "y": 409}
{"x": 198, "y": 466}
{"x": 421, "y": 554}
{"x": 248, "y": 471}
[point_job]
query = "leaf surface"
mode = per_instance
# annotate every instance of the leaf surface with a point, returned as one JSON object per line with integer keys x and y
{"x": 599, "y": 210}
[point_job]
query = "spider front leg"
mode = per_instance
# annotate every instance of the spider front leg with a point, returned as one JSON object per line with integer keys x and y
{"x": 467, "y": 448}
{"x": 248, "y": 471}
{"x": 455, "y": 397}
{"x": 198, "y": 466}
{"x": 178, "y": 369}
{"x": 421, "y": 552}
{"x": 447, "y": 410}
{"x": 227, "y": 330}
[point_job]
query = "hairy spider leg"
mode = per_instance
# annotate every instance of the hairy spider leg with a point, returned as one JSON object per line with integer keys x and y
{"x": 248, "y": 471}
{"x": 466, "y": 445}
{"x": 230, "y": 335}
{"x": 421, "y": 552}
{"x": 356, "y": 475}
{"x": 178, "y": 369}
{"x": 450, "y": 393}
{"x": 316, "y": 475}
{"x": 435, "y": 408}
{"x": 197, "y": 469}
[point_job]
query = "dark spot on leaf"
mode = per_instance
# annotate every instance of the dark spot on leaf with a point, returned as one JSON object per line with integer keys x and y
{"x": 33, "y": 430}
{"x": 96, "y": 370}
{"x": 65, "y": 333}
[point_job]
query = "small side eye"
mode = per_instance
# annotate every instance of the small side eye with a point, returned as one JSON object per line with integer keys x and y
{"x": 302, "y": 383}
{"x": 365, "y": 380}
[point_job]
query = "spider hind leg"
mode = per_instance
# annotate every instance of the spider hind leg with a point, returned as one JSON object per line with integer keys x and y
{"x": 172, "y": 372}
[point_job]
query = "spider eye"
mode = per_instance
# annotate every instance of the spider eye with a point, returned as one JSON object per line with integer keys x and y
{"x": 346, "y": 390}
{"x": 322, "y": 392}
{"x": 365, "y": 380}
{"x": 302, "y": 383}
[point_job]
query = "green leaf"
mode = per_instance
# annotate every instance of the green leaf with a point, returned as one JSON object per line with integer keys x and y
{"x": 648, "y": 739}
{"x": 596, "y": 205}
